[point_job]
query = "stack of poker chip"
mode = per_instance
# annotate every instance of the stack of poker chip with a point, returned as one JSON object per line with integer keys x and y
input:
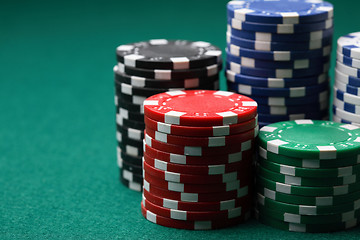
{"x": 308, "y": 176}
{"x": 148, "y": 68}
{"x": 197, "y": 162}
{"x": 346, "y": 104}
{"x": 278, "y": 54}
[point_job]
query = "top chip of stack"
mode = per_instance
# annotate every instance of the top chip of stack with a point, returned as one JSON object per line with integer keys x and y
{"x": 278, "y": 53}
{"x": 197, "y": 158}
{"x": 346, "y": 105}
{"x": 148, "y": 68}
{"x": 308, "y": 176}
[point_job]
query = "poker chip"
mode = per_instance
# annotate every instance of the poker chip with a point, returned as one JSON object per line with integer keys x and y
{"x": 194, "y": 188}
{"x": 277, "y": 73}
{"x": 306, "y": 200}
{"x": 198, "y": 155}
{"x": 162, "y": 74}
{"x": 277, "y": 46}
{"x": 218, "y": 141}
{"x": 193, "y": 215}
{"x": 278, "y": 53}
{"x": 288, "y": 12}
{"x": 148, "y": 68}
{"x": 280, "y": 28}
{"x": 236, "y": 157}
{"x": 349, "y": 80}
{"x": 292, "y": 101}
{"x": 191, "y": 225}
{"x": 293, "y": 64}
{"x": 197, "y": 206}
{"x": 304, "y": 219}
{"x": 168, "y": 84}
{"x": 311, "y": 228}
{"x": 200, "y": 108}
{"x": 346, "y": 102}
{"x": 279, "y": 92}
{"x": 167, "y": 54}
{"x": 224, "y": 130}
{"x": 274, "y": 37}
{"x": 348, "y": 45}
{"x": 308, "y": 173}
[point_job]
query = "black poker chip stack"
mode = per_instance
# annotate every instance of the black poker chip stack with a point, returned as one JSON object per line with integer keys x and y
{"x": 148, "y": 68}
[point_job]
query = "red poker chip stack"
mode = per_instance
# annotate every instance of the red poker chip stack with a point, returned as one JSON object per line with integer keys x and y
{"x": 197, "y": 163}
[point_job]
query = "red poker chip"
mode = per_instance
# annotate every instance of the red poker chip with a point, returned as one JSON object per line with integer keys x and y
{"x": 223, "y": 130}
{"x": 195, "y": 188}
{"x": 191, "y": 225}
{"x": 195, "y": 179}
{"x": 198, "y": 151}
{"x": 201, "y": 108}
{"x": 219, "y": 141}
{"x": 194, "y": 215}
{"x": 196, "y": 197}
{"x": 244, "y": 165}
{"x": 199, "y": 206}
{"x": 196, "y": 160}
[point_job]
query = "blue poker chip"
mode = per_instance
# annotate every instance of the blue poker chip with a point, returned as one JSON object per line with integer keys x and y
{"x": 349, "y": 80}
{"x": 275, "y": 82}
{"x": 281, "y": 101}
{"x": 322, "y": 115}
{"x": 293, "y": 64}
{"x": 277, "y": 46}
{"x": 279, "y": 55}
{"x": 274, "y": 37}
{"x": 287, "y": 110}
{"x": 280, "y": 28}
{"x": 347, "y": 88}
{"x": 349, "y": 45}
{"x": 279, "y": 92}
{"x": 348, "y": 107}
{"x": 277, "y": 73}
{"x": 280, "y": 11}
{"x": 340, "y": 120}
{"x": 352, "y": 62}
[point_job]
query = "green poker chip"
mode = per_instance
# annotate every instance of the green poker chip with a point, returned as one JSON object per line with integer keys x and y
{"x": 307, "y": 209}
{"x": 305, "y": 181}
{"x": 310, "y": 173}
{"x": 311, "y": 139}
{"x": 307, "y": 191}
{"x": 310, "y": 228}
{"x": 306, "y": 200}
{"x": 305, "y": 219}
{"x": 309, "y": 163}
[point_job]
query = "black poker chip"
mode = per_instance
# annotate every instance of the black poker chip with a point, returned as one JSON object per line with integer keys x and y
{"x": 171, "y": 74}
{"x": 131, "y": 133}
{"x": 129, "y": 123}
{"x": 136, "y": 169}
{"x": 168, "y": 54}
{"x": 187, "y": 83}
{"x": 134, "y": 160}
{"x": 130, "y": 115}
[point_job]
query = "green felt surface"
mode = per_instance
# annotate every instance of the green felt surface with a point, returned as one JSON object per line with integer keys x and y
{"x": 58, "y": 173}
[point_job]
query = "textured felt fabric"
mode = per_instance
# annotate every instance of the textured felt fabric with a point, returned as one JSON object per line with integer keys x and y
{"x": 58, "y": 173}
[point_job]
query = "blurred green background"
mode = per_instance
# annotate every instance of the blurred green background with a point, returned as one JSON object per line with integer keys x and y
{"x": 58, "y": 173}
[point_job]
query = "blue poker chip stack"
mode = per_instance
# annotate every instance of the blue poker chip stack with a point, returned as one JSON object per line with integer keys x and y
{"x": 278, "y": 53}
{"x": 151, "y": 67}
{"x": 346, "y": 102}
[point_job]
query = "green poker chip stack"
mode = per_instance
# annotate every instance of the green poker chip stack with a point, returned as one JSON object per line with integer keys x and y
{"x": 308, "y": 176}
